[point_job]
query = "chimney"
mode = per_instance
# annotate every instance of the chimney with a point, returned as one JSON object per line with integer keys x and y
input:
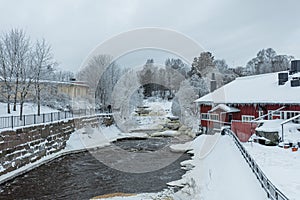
{"x": 295, "y": 66}
{"x": 295, "y": 82}
{"x": 282, "y": 78}
{"x": 213, "y": 83}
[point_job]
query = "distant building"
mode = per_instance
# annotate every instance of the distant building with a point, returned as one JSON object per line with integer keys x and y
{"x": 72, "y": 89}
{"x": 240, "y": 102}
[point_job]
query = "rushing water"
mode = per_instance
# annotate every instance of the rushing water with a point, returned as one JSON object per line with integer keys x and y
{"x": 82, "y": 176}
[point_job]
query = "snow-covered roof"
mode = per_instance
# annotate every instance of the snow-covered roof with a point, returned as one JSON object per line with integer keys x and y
{"x": 77, "y": 83}
{"x": 225, "y": 108}
{"x": 262, "y": 88}
{"x": 270, "y": 125}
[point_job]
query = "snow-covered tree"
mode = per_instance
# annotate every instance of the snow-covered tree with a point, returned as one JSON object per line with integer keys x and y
{"x": 106, "y": 84}
{"x": 221, "y": 65}
{"x": 16, "y": 49}
{"x": 203, "y": 64}
{"x": 26, "y": 75}
{"x": 43, "y": 60}
{"x": 6, "y": 73}
{"x": 227, "y": 74}
{"x": 126, "y": 95}
{"x": 199, "y": 85}
{"x": 178, "y": 65}
{"x": 267, "y": 61}
{"x": 94, "y": 69}
{"x": 183, "y": 105}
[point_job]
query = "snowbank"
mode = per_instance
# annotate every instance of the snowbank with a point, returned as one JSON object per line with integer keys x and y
{"x": 220, "y": 172}
{"x": 182, "y": 147}
{"x": 167, "y": 133}
{"x": 28, "y": 109}
{"x": 280, "y": 165}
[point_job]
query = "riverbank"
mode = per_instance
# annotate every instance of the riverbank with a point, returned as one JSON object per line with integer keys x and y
{"x": 85, "y": 173}
{"x": 96, "y": 138}
{"x": 81, "y": 140}
{"x": 217, "y": 171}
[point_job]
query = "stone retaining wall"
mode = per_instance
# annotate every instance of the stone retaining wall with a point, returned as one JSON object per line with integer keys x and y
{"x": 25, "y": 145}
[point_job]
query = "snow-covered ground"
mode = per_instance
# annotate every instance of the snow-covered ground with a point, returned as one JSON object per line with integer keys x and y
{"x": 280, "y": 165}
{"x": 29, "y": 108}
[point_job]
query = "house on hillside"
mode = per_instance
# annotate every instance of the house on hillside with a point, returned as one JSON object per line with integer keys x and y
{"x": 246, "y": 100}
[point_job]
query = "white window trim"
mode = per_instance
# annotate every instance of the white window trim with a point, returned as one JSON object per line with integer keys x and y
{"x": 214, "y": 117}
{"x": 247, "y": 118}
{"x": 291, "y": 114}
{"x": 209, "y": 117}
{"x": 260, "y": 113}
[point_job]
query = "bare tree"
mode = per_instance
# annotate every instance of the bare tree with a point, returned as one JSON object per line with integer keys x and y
{"x": 26, "y": 74}
{"x": 92, "y": 72}
{"x": 43, "y": 59}
{"x": 101, "y": 74}
{"x": 6, "y": 74}
{"x": 16, "y": 49}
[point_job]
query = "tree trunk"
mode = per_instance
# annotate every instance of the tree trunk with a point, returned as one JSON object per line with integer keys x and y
{"x": 16, "y": 95}
{"x": 8, "y": 104}
{"x": 21, "y": 109}
{"x": 38, "y": 92}
{"x": 39, "y": 104}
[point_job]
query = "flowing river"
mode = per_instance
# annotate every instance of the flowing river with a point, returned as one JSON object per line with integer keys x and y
{"x": 82, "y": 176}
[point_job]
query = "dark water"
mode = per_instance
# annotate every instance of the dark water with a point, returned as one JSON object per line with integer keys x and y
{"x": 81, "y": 176}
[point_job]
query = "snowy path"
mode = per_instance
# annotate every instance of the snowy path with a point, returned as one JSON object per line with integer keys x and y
{"x": 220, "y": 172}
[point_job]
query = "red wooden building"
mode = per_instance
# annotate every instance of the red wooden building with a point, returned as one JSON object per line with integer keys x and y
{"x": 246, "y": 100}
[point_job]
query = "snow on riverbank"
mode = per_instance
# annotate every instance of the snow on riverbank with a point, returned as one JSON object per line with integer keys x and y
{"x": 28, "y": 109}
{"x": 220, "y": 172}
{"x": 85, "y": 138}
{"x": 280, "y": 165}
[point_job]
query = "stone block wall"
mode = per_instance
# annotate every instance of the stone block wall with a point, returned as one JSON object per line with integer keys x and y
{"x": 26, "y": 145}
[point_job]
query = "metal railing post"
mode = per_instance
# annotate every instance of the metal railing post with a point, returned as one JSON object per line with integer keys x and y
{"x": 12, "y": 122}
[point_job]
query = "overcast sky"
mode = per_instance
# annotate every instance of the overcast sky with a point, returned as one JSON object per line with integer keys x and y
{"x": 234, "y": 30}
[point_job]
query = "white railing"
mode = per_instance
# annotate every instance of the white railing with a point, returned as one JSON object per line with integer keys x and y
{"x": 272, "y": 191}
